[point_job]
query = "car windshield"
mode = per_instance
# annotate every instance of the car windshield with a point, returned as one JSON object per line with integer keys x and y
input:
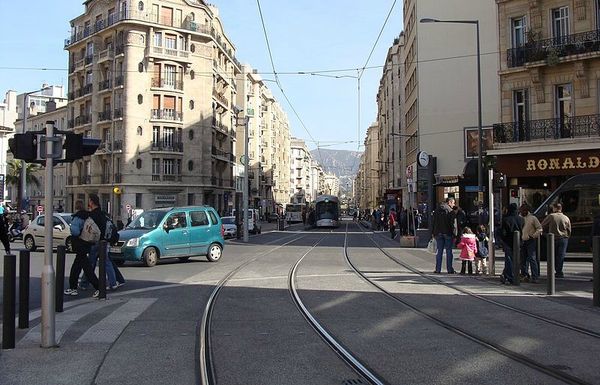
{"x": 148, "y": 220}
{"x": 228, "y": 220}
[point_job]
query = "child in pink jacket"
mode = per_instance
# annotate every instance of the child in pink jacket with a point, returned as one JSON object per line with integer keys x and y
{"x": 468, "y": 246}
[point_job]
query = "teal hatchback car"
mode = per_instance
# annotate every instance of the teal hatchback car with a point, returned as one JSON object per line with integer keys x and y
{"x": 179, "y": 232}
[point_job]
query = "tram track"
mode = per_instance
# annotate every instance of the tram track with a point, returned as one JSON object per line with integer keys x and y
{"x": 551, "y": 321}
{"x": 515, "y": 356}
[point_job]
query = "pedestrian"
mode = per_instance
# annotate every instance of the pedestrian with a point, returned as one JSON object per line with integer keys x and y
{"x": 403, "y": 222}
{"x": 377, "y": 218}
{"x": 558, "y": 224}
{"x": 468, "y": 249}
{"x": 481, "y": 257}
{"x": 81, "y": 249}
{"x": 100, "y": 219}
{"x": 511, "y": 222}
{"x": 4, "y": 230}
{"x": 460, "y": 222}
{"x": 392, "y": 223}
{"x": 532, "y": 229}
{"x": 443, "y": 230}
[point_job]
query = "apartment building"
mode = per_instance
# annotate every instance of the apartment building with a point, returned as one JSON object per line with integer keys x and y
{"x": 300, "y": 172}
{"x": 390, "y": 105}
{"x": 34, "y": 193}
{"x": 360, "y": 187}
{"x": 154, "y": 80}
{"x": 268, "y": 142}
{"x": 441, "y": 97}
{"x": 369, "y": 169}
{"x": 332, "y": 185}
{"x": 317, "y": 180}
{"x": 549, "y": 88}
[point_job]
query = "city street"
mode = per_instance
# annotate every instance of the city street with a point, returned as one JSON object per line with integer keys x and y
{"x": 327, "y": 306}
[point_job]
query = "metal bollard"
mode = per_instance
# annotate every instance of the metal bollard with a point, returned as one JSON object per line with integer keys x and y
{"x": 24, "y": 271}
{"x": 102, "y": 269}
{"x": 8, "y": 301}
{"x": 516, "y": 257}
{"x": 596, "y": 249}
{"x": 550, "y": 265}
{"x": 61, "y": 253}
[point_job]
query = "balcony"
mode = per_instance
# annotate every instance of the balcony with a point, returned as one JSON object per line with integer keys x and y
{"x": 222, "y": 128}
{"x": 554, "y": 48}
{"x": 118, "y": 145}
{"x": 222, "y": 155}
{"x": 169, "y": 53}
{"x": 89, "y": 59}
{"x": 83, "y": 91}
{"x": 119, "y": 81}
{"x": 104, "y": 85}
{"x": 167, "y": 84}
{"x": 220, "y": 182}
{"x": 104, "y": 55}
{"x": 85, "y": 179}
{"x": 118, "y": 113}
{"x": 221, "y": 98}
{"x": 104, "y": 116}
{"x": 83, "y": 120}
{"x": 119, "y": 49}
{"x": 167, "y": 147}
{"x": 167, "y": 114}
{"x": 585, "y": 126}
{"x": 171, "y": 178}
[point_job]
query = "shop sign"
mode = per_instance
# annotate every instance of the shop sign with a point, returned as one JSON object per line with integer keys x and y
{"x": 564, "y": 163}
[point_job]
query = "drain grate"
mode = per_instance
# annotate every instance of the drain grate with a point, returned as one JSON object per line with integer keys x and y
{"x": 353, "y": 382}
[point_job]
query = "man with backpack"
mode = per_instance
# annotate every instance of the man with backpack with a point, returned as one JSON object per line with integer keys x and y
{"x": 81, "y": 248}
{"x": 101, "y": 220}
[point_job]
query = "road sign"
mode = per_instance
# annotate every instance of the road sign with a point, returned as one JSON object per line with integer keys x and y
{"x": 244, "y": 159}
{"x": 40, "y": 209}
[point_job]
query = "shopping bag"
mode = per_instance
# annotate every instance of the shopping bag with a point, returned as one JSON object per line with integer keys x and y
{"x": 432, "y": 246}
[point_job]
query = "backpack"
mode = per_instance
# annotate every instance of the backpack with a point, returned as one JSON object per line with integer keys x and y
{"x": 482, "y": 248}
{"x": 111, "y": 234}
{"x": 90, "y": 232}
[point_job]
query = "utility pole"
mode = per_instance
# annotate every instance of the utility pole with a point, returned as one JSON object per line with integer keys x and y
{"x": 246, "y": 179}
{"x": 48, "y": 273}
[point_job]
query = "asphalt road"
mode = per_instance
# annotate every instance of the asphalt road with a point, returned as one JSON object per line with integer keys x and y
{"x": 401, "y": 327}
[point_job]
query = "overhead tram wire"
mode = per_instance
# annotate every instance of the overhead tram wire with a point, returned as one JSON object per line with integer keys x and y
{"x": 278, "y": 82}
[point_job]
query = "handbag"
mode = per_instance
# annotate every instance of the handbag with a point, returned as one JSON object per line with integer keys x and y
{"x": 432, "y": 246}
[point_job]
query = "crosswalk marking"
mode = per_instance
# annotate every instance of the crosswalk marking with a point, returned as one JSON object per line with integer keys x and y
{"x": 109, "y": 328}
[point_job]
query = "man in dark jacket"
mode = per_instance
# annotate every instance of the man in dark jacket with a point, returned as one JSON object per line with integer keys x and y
{"x": 443, "y": 230}
{"x": 511, "y": 222}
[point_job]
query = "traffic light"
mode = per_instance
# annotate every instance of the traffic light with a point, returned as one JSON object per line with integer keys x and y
{"x": 24, "y": 146}
{"x": 499, "y": 180}
{"x": 76, "y": 146}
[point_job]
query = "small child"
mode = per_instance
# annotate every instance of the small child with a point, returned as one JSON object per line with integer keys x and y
{"x": 482, "y": 250}
{"x": 468, "y": 246}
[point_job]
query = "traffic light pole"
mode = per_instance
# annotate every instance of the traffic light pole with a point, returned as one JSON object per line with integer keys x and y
{"x": 23, "y": 183}
{"x": 491, "y": 217}
{"x": 246, "y": 180}
{"x": 48, "y": 273}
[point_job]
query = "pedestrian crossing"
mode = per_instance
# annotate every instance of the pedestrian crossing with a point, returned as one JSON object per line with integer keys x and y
{"x": 107, "y": 330}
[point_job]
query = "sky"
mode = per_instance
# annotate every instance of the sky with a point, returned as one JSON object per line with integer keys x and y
{"x": 304, "y": 36}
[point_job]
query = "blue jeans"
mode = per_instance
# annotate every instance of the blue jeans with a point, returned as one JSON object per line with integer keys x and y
{"x": 110, "y": 271}
{"x": 508, "y": 264}
{"x": 530, "y": 258}
{"x": 444, "y": 242}
{"x": 560, "y": 250}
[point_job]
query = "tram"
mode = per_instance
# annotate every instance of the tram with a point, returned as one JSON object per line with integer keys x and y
{"x": 327, "y": 211}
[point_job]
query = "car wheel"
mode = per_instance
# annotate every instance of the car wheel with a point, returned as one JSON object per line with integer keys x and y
{"x": 29, "y": 243}
{"x": 215, "y": 251}
{"x": 69, "y": 245}
{"x": 150, "y": 257}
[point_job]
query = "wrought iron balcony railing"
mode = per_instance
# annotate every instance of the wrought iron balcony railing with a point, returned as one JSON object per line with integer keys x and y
{"x": 167, "y": 147}
{"x": 169, "y": 84}
{"x": 104, "y": 85}
{"x": 167, "y": 114}
{"x": 104, "y": 115}
{"x": 562, "y": 46}
{"x": 585, "y": 126}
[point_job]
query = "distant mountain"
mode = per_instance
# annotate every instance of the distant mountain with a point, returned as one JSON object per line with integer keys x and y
{"x": 342, "y": 163}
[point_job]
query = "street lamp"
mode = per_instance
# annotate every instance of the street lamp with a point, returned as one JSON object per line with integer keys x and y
{"x": 479, "y": 117}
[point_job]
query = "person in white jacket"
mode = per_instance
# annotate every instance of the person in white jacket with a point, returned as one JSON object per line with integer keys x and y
{"x": 532, "y": 229}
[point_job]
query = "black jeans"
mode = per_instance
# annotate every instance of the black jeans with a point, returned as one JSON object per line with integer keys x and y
{"x": 82, "y": 262}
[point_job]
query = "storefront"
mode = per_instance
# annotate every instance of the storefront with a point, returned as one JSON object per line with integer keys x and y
{"x": 532, "y": 177}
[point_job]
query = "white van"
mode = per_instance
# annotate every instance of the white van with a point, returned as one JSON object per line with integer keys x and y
{"x": 254, "y": 226}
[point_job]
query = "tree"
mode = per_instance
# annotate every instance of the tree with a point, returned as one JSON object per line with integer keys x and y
{"x": 13, "y": 177}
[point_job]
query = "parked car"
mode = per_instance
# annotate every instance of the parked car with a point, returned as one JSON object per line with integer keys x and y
{"x": 272, "y": 217}
{"x": 178, "y": 232}
{"x": 254, "y": 225}
{"x": 33, "y": 235}
{"x": 229, "y": 227}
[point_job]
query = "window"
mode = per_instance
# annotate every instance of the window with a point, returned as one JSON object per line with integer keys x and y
{"x": 191, "y": 134}
{"x": 521, "y": 105}
{"x": 176, "y": 221}
{"x": 155, "y": 166}
{"x": 141, "y": 6}
{"x": 170, "y": 76}
{"x": 168, "y": 137}
{"x": 191, "y": 199}
{"x": 193, "y": 74}
{"x": 560, "y": 22}
{"x": 170, "y": 41}
{"x": 168, "y": 166}
{"x": 190, "y": 165}
{"x": 166, "y": 16}
{"x": 140, "y": 130}
{"x": 138, "y": 164}
{"x": 518, "y": 34}
{"x": 213, "y": 218}
{"x": 563, "y": 110}
{"x": 157, "y": 39}
{"x": 191, "y": 104}
{"x": 140, "y": 99}
{"x": 155, "y": 136}
{"x": 138, "y": 200}
{"x": 141, "y": 67}
{"x": 198, "y": 218}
